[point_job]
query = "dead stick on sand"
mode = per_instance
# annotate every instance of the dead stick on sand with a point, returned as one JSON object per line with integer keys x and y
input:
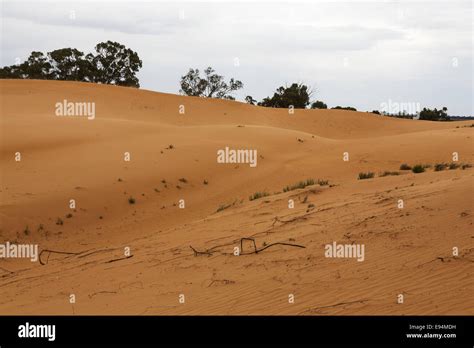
{"x": 54, "y": 252}
{"x": 255, "y": 251}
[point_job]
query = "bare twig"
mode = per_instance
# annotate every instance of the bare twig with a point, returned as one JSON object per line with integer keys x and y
{"x": 54, "y": 252}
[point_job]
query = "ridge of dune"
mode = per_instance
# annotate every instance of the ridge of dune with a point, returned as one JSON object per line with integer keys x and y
{"x": 142, "y": 105}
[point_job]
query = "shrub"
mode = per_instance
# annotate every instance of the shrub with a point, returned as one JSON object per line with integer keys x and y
{"x": 258, "y": 195}
{"x": 405, "y": 166}
{"x": 205, "y": 182}
{"x": 466, "y": 165}
{"x": 223, "y": 207}
{"x": 183, "y": 180}
{"x": 368, "y": 175}
{"x": 440, "y": 166}
{"x": 304, "y": 183}
{"x": 387, "y": 173}
{"x": 131, "y": 200}
{"x": 453, "y": 165}
{"x": 69, "y": 215}
{"x": 418, "y": 169}
{"x": 59, "y": 221}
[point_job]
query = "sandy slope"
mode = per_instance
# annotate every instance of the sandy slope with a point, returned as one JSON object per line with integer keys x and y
{"x": 408, "y": 251}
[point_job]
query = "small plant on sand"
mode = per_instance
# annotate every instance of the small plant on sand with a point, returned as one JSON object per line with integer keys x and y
{"x": 183, "y": 180}
{"x": 465, "y": 166}
{"x": 68, "y": 216}
{"x": 26, "y": 231}
{"x": 131, "y": 200}
{"x": 405, "y": 166}
{"x": 304, "y": 183}
{"x": 205, "y": 182}
{"x": 40, "y": 227}
{"x": 440, "y": 166}
{"x": 388, "y": 173}
{"x": 59, "y": 222}
{"x": 258, "y": 195}
{"x": 368, "y": 175}
{"x": 418, "y": 169}
{"x": 453, "y": 165}
{"x": 223, "y": 207}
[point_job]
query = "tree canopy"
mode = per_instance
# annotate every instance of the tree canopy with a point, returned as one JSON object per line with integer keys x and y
{"x": 318, "y": 104}
{"x": 297, "y": 95}
{"x": 434, "y": 115}
{"x": 211, "y": 85}
{"x": 111, "y": 63}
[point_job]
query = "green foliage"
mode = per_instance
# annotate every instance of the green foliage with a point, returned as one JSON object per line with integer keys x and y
{"x": 112, "y": 63}
{"x": 350, "y": 108}
{"x": 297, "y": 95}
{"x": 454, "y": 165}
{"x": 250, "y": 100}
{"x": 258, "y": 195}
{"x": 405, "y": 166}
{"x": 434, "y": 115}
{"x": 389, "y": 173}
{"x": 440, "y": 166}
{"x": 304, "y": 183}
{"x": 418, "y": 168}
{"x": 211, "y": 85}
{"x": 368, "y": 175}
{"x": 318, "y": 104}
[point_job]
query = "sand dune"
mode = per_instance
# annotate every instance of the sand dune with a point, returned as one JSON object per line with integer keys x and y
{"x": 407, "y": 251}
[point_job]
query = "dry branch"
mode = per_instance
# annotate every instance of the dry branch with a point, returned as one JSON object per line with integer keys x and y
{"x": 54, "y": 252}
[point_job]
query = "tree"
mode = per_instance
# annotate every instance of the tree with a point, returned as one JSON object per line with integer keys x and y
{"x": 250, "y": 100}
{"x": 68, "y": 64}
{"x": 434, "y": 115}
{"x": 115, "y": 64}
{"x": 297, "y": 95}
{"x": 318, "y": 105}
{"x": 344, "y": 108}
{"x": 211, "y": 85}
{"x": 376, "y": 112}
{"x": 36, "y": 66}
{"x": 112, "y": 63}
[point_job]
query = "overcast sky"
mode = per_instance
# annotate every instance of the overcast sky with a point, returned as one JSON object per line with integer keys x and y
{"x": 352, "y": 53}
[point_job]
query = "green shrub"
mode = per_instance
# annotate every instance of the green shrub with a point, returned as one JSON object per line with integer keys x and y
{"x": 418, "y": 169}
{"x": 368, "y": 175}
{"x": 387, "y": 173}
{"x": 258, "y": 195}
{"x": 453, "y": 165}
{"x": 304, "y": 183}
{"x": 440, "y": 166}
{"x": 405, "y": 166}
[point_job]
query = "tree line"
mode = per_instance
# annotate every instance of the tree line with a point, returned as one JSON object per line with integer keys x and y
{"x": 113, "y": 63}
{"x": 110, "y": 63}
